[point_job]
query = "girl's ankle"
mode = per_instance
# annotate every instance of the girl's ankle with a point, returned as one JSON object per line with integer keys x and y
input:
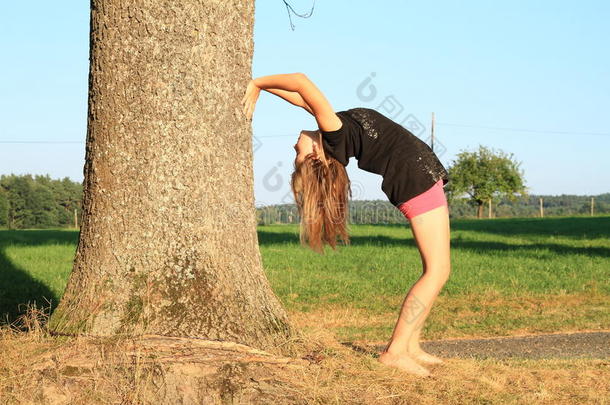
{"x": 414, "y": 348}
{"x": 395, "y": 349}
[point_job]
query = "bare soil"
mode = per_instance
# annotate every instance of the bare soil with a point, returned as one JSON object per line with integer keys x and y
{"x": 585, "y": 345}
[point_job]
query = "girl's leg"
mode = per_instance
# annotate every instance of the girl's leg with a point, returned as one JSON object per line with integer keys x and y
{"x": 435, "y": 255}
{"x": 431, "y": 232}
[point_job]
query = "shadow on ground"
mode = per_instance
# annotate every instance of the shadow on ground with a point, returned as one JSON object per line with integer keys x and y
{"x": 533, "y": 249}
{"x": 569, "y": 227}
{"x": 17, "y": 287}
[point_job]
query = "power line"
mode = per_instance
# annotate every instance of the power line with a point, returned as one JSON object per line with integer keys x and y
{"x": 295, "y": 135}
{"x": 42, "y": 141}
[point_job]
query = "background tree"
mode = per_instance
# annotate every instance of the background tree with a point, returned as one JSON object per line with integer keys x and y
{"x": 485, "y": 174}
{"x": 19, "y": 191}
{"x": 3, "y": 207}
{"x": 68, "y": 198}
{"x": 168, "y": 241}
{"x": 43, "y": 207}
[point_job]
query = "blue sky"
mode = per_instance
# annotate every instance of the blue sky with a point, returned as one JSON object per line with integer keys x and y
{"x": 529, "y": 77}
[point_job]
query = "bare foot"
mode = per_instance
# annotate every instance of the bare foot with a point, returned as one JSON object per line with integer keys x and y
{"x": 403, "y": 362}
{"x": 425, "y": 357}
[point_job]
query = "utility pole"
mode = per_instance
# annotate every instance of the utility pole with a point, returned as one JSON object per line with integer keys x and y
{"x": 75, "y": 219}
{"x": 592, "y": 205}
{"x": 489, "y": 215}
{"x": 541, "y": 209}
{"x": 432, "y": 134}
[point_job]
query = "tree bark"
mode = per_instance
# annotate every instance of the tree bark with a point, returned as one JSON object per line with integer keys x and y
{"x": 480, "y": 209}
{"x": 168, "y": 241}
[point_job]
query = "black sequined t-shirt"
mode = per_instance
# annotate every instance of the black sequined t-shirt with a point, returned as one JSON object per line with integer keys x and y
{"x": 408, "y": 165}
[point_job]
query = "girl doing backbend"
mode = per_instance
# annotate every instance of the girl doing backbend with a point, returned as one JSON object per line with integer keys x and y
{"x": 413, "y": 180}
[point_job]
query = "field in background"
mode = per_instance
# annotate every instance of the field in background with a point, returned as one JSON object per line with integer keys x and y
{"x": 510, "y": 276}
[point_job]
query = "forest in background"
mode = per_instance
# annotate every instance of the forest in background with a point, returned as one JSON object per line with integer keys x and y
{"x": 38, "y": 201}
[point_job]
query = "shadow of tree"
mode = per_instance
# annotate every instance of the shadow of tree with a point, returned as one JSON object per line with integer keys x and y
{"x": 17, "y": 286}
{"x": 275, "y": 237}
{"x": 457, "y": 242}
{"x": 530, "y": 249}
{"x": 570, "y": 227}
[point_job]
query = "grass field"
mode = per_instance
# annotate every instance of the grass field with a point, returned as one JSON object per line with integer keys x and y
{"x": 509, "y": 277}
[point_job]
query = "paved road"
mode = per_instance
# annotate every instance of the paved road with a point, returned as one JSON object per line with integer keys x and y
{"x": 595, "y": 345}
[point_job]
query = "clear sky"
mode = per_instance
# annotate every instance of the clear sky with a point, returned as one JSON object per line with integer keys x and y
{"x": 529, "y": 77}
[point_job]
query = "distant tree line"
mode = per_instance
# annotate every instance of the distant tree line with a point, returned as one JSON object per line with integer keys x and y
{"x": 38, "y": 202}
{"x": 380, "y": 211}
{"x": 28, "y": 201}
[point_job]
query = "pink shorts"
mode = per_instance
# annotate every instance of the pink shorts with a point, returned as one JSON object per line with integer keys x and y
{"x": 432, "y": 198}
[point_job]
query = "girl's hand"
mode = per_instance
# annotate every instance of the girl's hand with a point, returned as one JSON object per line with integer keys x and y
{"x": 249, "y": 99}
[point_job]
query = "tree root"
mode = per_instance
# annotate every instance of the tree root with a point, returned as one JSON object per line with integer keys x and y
{"x": 164, "y": 369}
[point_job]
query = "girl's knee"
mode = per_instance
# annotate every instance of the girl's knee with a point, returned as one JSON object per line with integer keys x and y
{"x": 439, "y": 271}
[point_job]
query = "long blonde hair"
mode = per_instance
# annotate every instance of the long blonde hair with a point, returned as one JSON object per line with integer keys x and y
{"x": 321, "y": 189}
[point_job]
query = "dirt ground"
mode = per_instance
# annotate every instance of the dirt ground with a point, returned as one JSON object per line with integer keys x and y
{"x": 591, "y": 345}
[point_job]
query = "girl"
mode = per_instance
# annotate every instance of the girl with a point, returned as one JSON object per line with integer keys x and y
{"x": 413, "y": 180}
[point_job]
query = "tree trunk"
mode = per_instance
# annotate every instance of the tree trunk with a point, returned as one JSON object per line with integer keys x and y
{"x": 168, "y": 241}
{"x": 479, "y": 208}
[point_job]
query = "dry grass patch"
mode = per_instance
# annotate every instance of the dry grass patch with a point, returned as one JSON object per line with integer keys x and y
{"x": 315, "y": 368}
{"x": 485, "y": 314}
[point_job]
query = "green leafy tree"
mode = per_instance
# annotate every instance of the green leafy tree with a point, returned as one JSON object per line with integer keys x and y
{"x": 19, "y": 195}
{"x": 68, "y": 196}
{"x": 485, "y": 175}
{"x": 3, "y": 207}
{"x": 42, "y": 206}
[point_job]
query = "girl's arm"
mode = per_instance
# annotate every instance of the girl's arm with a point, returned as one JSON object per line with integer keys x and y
{"x": 292, "y": 97}
{"x": 311, "y": 95}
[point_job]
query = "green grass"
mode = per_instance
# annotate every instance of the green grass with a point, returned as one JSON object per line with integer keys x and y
{"x": 507, "y": 256}
{"x": 527, "y": 274}
{"x": 34, "y": 268}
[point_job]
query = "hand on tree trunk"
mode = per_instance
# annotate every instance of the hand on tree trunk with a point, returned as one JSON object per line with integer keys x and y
{"x": 249, "y": 99}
